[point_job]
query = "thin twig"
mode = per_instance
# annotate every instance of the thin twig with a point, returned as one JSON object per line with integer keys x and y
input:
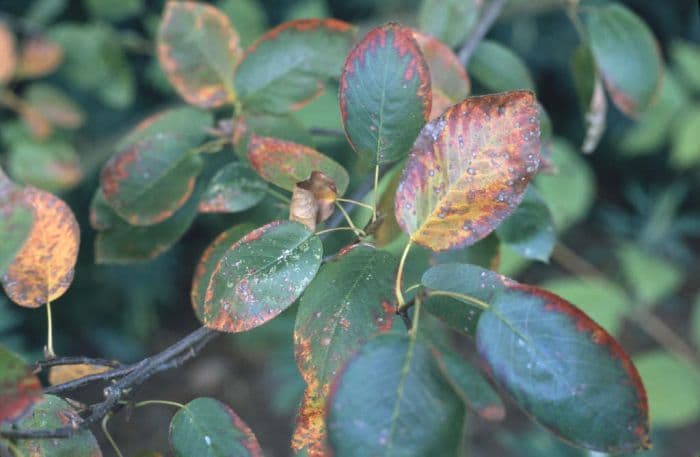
{"x": 488, "y": 17}
{"x": 75, "y": 360}
{"x": 323, "y": 131}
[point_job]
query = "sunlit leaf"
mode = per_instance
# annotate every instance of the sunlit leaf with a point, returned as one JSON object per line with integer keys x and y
{"x": 284, "y": 163}
{"x": 413, "y": 409}
{"x": 498, "y": 68}
{"x": 385, "y": 95}
{"x": 53, "y": 165}
{"x": 54, "y": 106}
{"x": 469, "y": 169}
{"x": 529, "y": 231}
{"x": 19, "y": 387}
{"x": 8, "y": 53}
{"x": 65, "y": 373}
{"x": 234, "y": 188}
{"x": 448, "y": 20}
{"x": 205, "y": 427}
{"x": 53, "y": 412}
{"x": 627, "y": 56}
{"x": 448, "y": 80}
{"x": 286, "y": 68}
{"x": 38, "y": 57}
{"x": 43, "y": 268}
{"x": 199, "y": 51}
{"x": 252, "y": 280}
{"x": 16, "y": 219}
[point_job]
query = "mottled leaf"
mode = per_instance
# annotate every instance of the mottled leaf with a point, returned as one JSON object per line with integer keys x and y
{"x": 284, "y": 163}
{"x": 448, "y": 20}
{"x": 199, "y": 51}
{"x": 38, "y": 57}
{"x": 43, "y": 268}
{"x": 8, "y": 53}
{"x": 498, "y": 68}
{"x": 16, "y": 219}
{"x": 257, "y": 277}
{"x": 529, "y": 231}
{"x": 286, "y": 68}
{"x": 205, "y": 427}
{"x": 150, "y": 179}
{"x": 627, "y": 56}
{"x": 120, "y": 242}
{"x": 385, "y": 95}
{"x": 469, "y": 169}
{"x": 392, "y": 399}
{"x": 51, "y": 165}
{"x": 53, "y": 412}
{"x": 448, "y": 79}
{"x": 234, "y": 188}
{"x": 19, "y": 387}
{"x": 309, "y": 438}
{"x": 65, "y": 373}
{"x": 313, "y": 200}
{"x": 54, "y": 106}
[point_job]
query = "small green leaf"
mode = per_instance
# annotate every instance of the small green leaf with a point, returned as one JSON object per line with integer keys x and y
{"x": 284, "y": 163}
{"x": 685, "y": 56}
{"x": 627, "y": 56}
{"x": 205, "y": 427}
{"x": 283, "y": 127}
{"x": 529, "y": 231}
{"x": 498, "y": 68}
{"x": 16, "y": 218}
{"x": 695, "y": 322}
{"x": 385, "y": 96}
{"x": 151, "y": 179}
{"x": 650, "y": 276}
{"x": 199, "y": 51}
{"x": 53, "y": 412}
{"x": 113, "y": 10}
{"x": 257, "y": 277}
{"x": 685, "y": 138}
{"x": 286, "y": 68}
{"x": 118, "y": 241}
{"x": 673, "y": 387}
{"x": 19, "y": 387}
{"x": 448, "y": 20}
{"x": 392, "y": 399}
{"x": 234, "y": 188}
{"x": 53, "y": 166}
{"x": 55, "y": 106}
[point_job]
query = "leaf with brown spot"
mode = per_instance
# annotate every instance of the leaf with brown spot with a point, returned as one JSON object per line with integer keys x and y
{"x": 469, "y": 169}
{"x": 8, "y": 54}
{"x": 43, "y": 269}
{"x": 199, "y": 50}
{"x": 51, "y": 165}
{"x": 313, "y": 200}
{"x": 38, "y": 57}
{"x": 448, "y": 79}
{"x": 54, "y": 106}
{"x": 249, "y": 282}
{"x": 16, "y": 219}
{"x": 19, "y": 387}
{"x": 65, "y": 373}
{"x": 309, "y": 435}
{"x": 284, "y": 163}
{"x": 385, "y": 94}
{"x": 287, "y": 67}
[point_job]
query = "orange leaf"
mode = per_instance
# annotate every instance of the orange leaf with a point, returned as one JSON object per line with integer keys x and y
{"x": 310, "y": 430}
{"x": 8, "y": 55}
{"x": 43, "y": 269}
{"x": 39, "y": 57}
{"x": 65, "y": 373}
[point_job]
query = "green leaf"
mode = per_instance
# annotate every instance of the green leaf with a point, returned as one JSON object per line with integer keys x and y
{"x": 650, "y": 277}
{"x": 55, "y": 106}
{"x": 466, "y": 174}
{"x": 685, "y": 139}
{"x": 205, "y": 427}
{"x": 53, "y": 412}
{"x": 685, "y": 56}
{"x": 529, "y": 231}
{"x": 19, "y": 386}
{"x": 498, "y": 68}
{"x": 16, "y": 219}
{"x": 569, "y": 193}
{"x": 247, "y": 17}
{"x": 392, "y": 399}
{"x": 188, "y": 123}
{"x": 673, "y": 387}
{"x": 450, "y": 21}
{"x": 385, "y": 95}
{"x": 53, "y": 166}
{"x": 119, "y": 242}
{"x": 199, "y": 51}
{"x": 283, "y": 127}
{"x": 286, "y": 68}
{"x": 234, "y": 188}
{"x": 627, "y": 56}
{"x": 591, "y": 96}
{"x": 284, "y": 163}
{"x": 257, "y": 277}
{"x": 695, "y": 322}
{"x": 151, "y": 179}
{"x": 604, "y": 301}
{"x": 113, "y": 10}
{"x": 475, "y": 390}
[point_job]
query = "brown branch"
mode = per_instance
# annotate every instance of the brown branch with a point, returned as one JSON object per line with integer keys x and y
{"x": 131, "y": 376}
{"x": 487, "y": 19}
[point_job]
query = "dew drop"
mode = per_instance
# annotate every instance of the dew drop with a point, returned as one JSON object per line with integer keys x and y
{"x": 471, "y": 171}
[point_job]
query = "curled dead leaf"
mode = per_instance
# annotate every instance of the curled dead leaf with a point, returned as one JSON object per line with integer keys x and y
{"x": 39, "y": 57}
{"x": 60, "y": 374}
{"x": 313, "y": 200}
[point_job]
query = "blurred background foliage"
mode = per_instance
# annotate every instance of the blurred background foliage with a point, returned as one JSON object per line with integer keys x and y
{"x": 627, "y": 216}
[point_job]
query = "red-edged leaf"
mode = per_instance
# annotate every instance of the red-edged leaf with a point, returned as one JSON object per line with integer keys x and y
{"x": 469, "y": 169}
{"x": 284, "y": 163}
{"x": 448, "y": 79}
{"x": 385, "y": 95}
{"x": 19, "y": 387}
